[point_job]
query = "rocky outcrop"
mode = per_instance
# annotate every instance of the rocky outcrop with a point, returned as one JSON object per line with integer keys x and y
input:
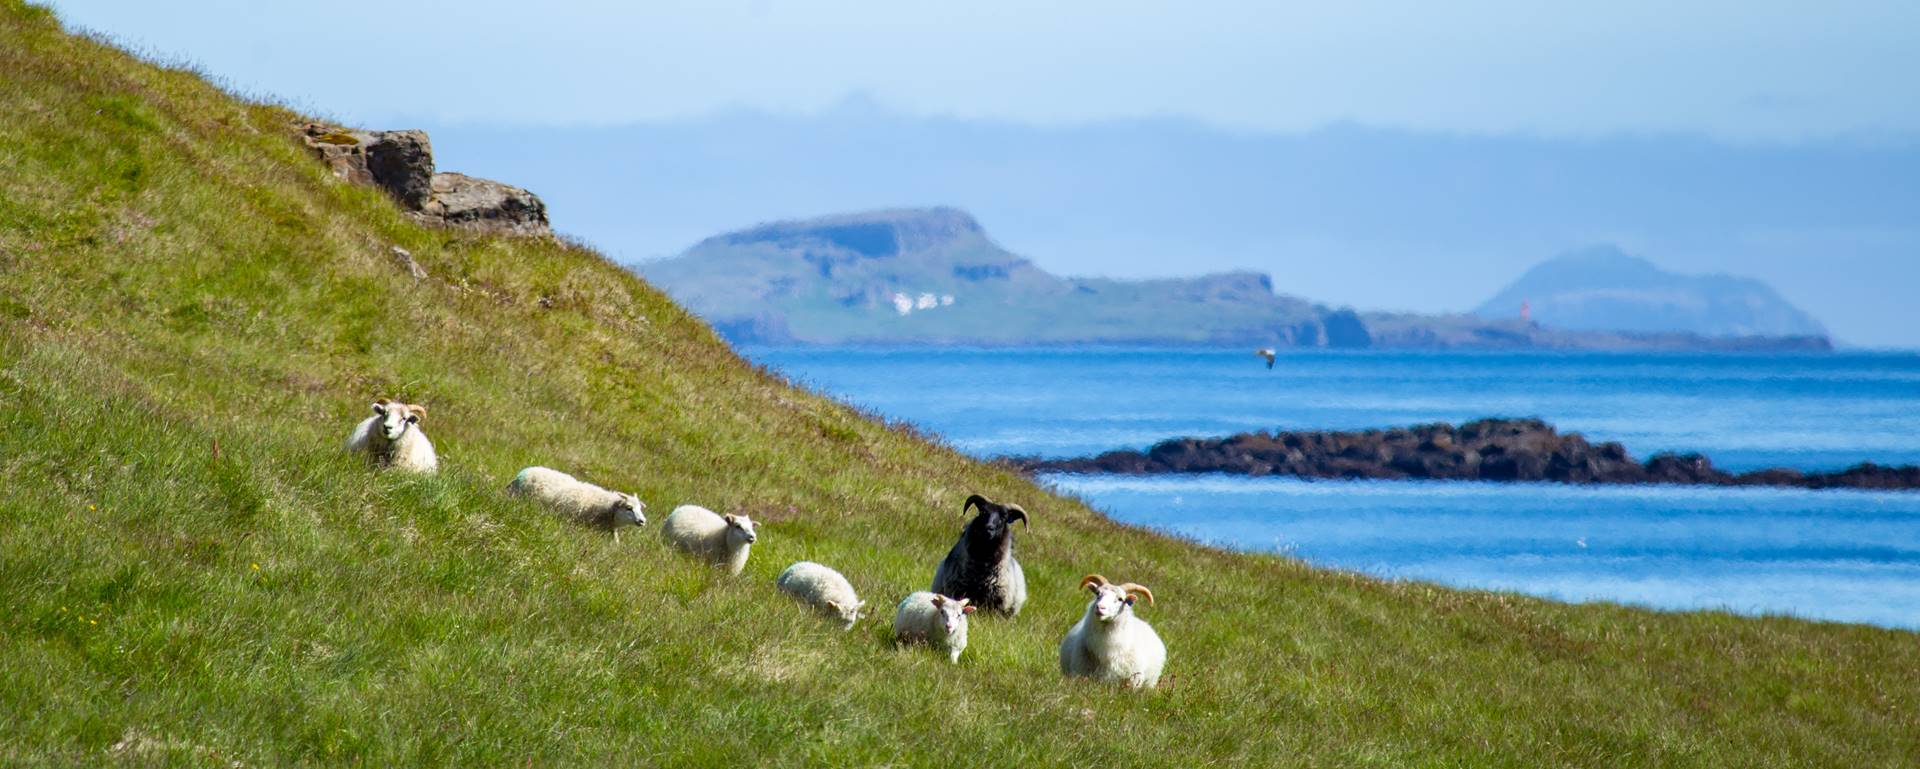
{"x": 401, "y": 162}
{"x": 462, "y": 200}
{"x": 1485, "y": 450}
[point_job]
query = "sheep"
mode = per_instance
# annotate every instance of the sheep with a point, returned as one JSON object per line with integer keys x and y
{"x": 580, "y": 501}
{"x": 1109, "y": 643}
{"x": 392, "y": 438}
{"x": 824, "y": 589}
{"x": 723, "y": 540}
{"x": 981, "y": 566}
{"x": 935, "y": 620}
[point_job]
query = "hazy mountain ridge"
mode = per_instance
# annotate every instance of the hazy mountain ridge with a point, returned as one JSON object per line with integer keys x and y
{"x": 934, "y": 276}
{"x": 1450, "y": 217}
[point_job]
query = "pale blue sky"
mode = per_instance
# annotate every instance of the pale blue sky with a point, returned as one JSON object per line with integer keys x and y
{"x": 1733, "y": 69}
{"x": 1407, "y": 155}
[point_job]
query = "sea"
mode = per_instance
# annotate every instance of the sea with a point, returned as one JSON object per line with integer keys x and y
{"x": 1848, "y": 556}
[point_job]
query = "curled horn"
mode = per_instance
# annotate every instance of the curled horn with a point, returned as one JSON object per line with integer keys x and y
{"x": 1017, "y": 513}
{"x": 1137, "y": 590}
{"x": 1093, "y": 579}
{"x": 976, "y": 500}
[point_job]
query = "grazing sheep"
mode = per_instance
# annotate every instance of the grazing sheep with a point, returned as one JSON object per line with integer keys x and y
{"x": 580, "y": 501}
{"x": 723, "y": 540}
{"x": 934, "y": 620}
{"x": 1109, "y": 643}
{"x": 981, "y": 567}
{"x": 824, "y": 589}
{"x": 392, "y": 438}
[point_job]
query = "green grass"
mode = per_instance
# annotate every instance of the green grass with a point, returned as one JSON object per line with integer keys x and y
{"x": 193, "y": 315}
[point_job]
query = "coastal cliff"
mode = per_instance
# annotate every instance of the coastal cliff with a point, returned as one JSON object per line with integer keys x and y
{"x": 933, "y": 276}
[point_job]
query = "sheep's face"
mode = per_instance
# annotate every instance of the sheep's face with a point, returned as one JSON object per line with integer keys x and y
{"x": 629, "y": 511}
{"x": 740, "y": 529}
{"x": 953, "y": 614}
{"x": 995, "y": 521}
{"x": 848, "y": 614}
{"x": 1109, "y": 602}
{"x": 396, "y": 417}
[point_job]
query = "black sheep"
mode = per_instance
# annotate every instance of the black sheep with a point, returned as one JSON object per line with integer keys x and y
{"x": 981, "y": 566}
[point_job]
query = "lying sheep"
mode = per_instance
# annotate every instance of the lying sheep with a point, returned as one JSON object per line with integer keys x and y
{"x": 934, "y": 620}
{"x": 723, "y": 540}
{"x": 822, "y": 588}
{"x": 981, "y": 566}
{"x": 1109, "y": 643}
{"x": 392, "y": 438}
{"x": 580, "y": 501}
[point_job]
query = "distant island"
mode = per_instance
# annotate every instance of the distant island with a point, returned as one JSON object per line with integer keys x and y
{"x": 1483, "y": 450}
{"x": 1604, "y": 289}
{"x": 934, "y": 276}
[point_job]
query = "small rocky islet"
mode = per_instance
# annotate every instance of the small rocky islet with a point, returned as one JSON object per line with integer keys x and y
{"x": 1482, "y": 450}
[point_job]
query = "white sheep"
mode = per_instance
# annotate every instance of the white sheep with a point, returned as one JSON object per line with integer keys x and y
{"x": 392, "y": 438}
{"x": 935, "y": 620}
{"x": 824, "y": 589}
{"x": 723, "y": 540}
{"x": 580, "y": 501}
{"x": 1109, "y": 643}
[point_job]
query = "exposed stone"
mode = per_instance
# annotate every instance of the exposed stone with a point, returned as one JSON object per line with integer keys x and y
{"x": 343, "y": 150}
{"x": 465, "y": 201}
{"x": 401, "y": 162}
{"x": 406, "y": 261}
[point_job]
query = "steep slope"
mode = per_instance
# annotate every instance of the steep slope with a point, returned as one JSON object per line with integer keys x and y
{"x": 934, "y": 276}
{"x": 1604, "y": 289}
{"x": 193, "y": 313}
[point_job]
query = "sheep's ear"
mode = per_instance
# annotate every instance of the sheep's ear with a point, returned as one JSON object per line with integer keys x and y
{"x": 380, "y": 407}
{"x": 939, "y": 600}
{"x": 966, "y": 610}
{"x": 731, "y": 519}
{"x": 836, "y": 605}
{"x": 418, "y": 410}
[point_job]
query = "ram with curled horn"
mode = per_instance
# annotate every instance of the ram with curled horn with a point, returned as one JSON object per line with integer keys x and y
{"x": 1110, "y": 643}
{"x": 981, "y": 566}
{"x": 1132, "y": 589}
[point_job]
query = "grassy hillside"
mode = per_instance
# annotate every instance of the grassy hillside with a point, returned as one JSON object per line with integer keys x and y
{"x": 193, "y": 314}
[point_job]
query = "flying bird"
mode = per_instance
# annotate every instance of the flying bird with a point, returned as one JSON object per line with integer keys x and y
{"x": 1266, "y": 352}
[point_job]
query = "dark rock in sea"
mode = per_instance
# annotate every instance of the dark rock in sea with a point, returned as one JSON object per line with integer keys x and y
{"x": 1684, "y": 468}
{"x": 1482, "y": 450}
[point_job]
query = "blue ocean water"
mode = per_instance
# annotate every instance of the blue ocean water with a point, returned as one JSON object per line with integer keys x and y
{"x": 1837, "y": 555}
{"x": 1840, "y": 555}
{"x": 1745, "y": 411}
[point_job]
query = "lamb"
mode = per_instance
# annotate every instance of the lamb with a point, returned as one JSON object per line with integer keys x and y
{"x": 824, "y": 589}
{"x": 580, "y": 501}
{"x": 392, "y": 438}
{"x": 935, "y": 620}
{"x": 981, "y": 566}
{"x": 1109, "y": 643}
{"x": 723, "y": 540}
